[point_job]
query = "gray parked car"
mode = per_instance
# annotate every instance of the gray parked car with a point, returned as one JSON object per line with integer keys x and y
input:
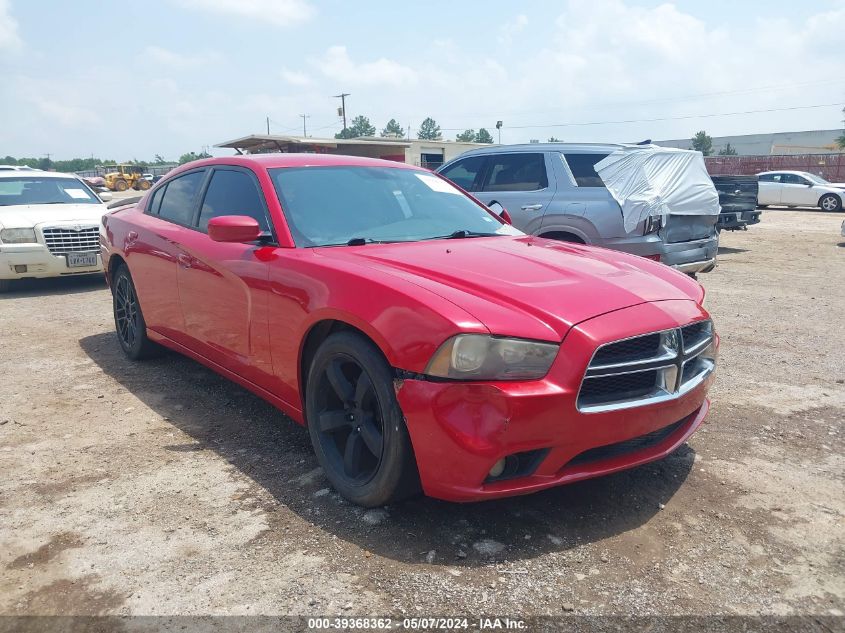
{"x": 552, "y": 190}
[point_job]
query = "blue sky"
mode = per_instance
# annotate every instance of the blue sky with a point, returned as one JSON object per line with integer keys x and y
{"x": 192, "y": 73}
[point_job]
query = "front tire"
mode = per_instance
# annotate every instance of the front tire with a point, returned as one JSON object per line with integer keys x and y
{"x": 830, "y": 202}
{"x": 129, "y": 320}
{"x": 121, "y": 185}
{"x": 355, "y": 423}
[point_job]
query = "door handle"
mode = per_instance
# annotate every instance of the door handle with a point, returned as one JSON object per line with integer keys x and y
{"x": 184, "y": 260}
{"x": 531, "y": 207}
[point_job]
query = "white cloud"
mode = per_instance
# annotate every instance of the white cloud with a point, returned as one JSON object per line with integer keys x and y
{"x": 277, "y": 12}
{"x": 336, "y": 64}
{"x": 178, "y": 61}
{"x": 295, "y": 78}
{"x": 511, "y": 28}
{"x": 9, "y": 39}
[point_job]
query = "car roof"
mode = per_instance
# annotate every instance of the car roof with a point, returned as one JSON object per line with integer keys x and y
{"x": 277, "y": 160}
{"x": 784, "y": 171}
{"x": 573, "y": 148}
{"x": 33, "y": 173}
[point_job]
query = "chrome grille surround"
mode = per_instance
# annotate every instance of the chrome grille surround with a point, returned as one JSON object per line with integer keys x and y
{"x": 80, "y": 238}
{"x": 667, "y": 365}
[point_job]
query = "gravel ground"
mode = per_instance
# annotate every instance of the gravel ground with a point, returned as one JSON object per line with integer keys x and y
{"x": 160, "y": 488}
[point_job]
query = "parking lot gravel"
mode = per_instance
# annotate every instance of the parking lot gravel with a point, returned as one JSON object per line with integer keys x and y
{"x": 161, "y": 488}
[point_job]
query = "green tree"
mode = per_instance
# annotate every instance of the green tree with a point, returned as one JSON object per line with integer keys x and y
{"x": 45, "y": 164}
{"x": 158, "y": 159}
{"x": 702, "y": 142}
{"x": 727, "y": 150}
{"x": 393, "y": 129}
{"x": 483, "y": 136}
{"x": 553, "y": 139}
{"x": 361, "y": 126}
{"x": 429, "y": 130}
{"x": 187, "y": 158}
{"x": 467, "y": 136}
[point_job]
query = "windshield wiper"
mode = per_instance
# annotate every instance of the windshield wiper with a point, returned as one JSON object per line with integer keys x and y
{"x": 360, "y": 241}
{"x": 461, "y": 234}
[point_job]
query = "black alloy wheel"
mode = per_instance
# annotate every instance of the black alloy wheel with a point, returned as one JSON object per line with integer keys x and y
{"x": 356, "y": 427}
{"x": 129, "y": 319}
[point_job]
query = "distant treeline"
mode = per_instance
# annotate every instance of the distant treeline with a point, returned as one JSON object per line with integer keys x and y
{"x": 90, "y": 164}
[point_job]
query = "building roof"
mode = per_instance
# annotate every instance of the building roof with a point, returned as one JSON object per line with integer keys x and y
{"x": 278, "y": 143}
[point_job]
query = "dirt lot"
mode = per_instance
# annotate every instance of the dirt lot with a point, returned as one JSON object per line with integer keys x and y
{"x": 160, "y": 488}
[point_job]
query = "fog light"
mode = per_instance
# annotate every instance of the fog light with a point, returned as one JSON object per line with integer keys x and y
{"x": 498, "y": 469}
{"x": 20, "y": 268}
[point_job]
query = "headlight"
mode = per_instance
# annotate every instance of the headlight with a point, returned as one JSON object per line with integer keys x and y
{"x": 483, "y": 357}
{"x": 18, "y": 236}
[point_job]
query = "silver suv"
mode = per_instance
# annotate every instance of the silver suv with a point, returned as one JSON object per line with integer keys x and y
{"x": 552, "y": 190}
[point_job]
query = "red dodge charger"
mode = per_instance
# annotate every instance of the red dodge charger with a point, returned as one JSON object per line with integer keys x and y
{"x": 424, "y": 342}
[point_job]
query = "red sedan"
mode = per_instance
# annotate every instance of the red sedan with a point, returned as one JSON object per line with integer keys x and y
{"x": 425, "y": 343}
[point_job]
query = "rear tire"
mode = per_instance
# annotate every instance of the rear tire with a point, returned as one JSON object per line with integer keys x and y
{"x": 129, "y": 319}
{"x": 830, "y": 202}
{"x": 143, "y": 184}
{"x": 120, "y": 185}
{"x": 355, "y": 423}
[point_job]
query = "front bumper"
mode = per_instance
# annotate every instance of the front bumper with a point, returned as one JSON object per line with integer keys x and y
{"x": 460, "y": 430}
{"x": 28, "y": 261}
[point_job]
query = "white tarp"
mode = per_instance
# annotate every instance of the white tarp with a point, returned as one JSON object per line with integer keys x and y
{"x": 658, "y": 181}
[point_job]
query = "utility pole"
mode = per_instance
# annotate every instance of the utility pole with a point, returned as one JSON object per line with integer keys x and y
{"x": 499, "y": 127}
{"x": 304, "y": 116}
{"x": 342, "y": 96}
{"x": 268, "y": 126}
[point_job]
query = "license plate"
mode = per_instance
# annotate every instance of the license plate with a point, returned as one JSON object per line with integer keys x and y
{"x": 81, "y": 260}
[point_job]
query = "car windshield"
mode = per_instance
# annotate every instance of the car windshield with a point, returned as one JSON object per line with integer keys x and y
{"x": 333, "y": 206}
{"x": 816, "y": 179}
{"x": 22, "y": 190}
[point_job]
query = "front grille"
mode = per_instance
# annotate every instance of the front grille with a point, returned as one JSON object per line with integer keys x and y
{"x": 625, "y": 386}
{"x": 62, "y": 240}
{"x": 696, "y": 334}
{"x": 637, "y": 348}
{"x": 645, "y": 369}
{"x": 628, "y": 446}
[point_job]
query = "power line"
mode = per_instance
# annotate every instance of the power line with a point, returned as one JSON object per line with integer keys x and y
{"x": 667, "y": 118}
{"x": 520, "y": 113}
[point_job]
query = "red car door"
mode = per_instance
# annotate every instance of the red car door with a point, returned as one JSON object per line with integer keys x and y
{"x": 153, "y": 250}
{"x": 223, "y": 286}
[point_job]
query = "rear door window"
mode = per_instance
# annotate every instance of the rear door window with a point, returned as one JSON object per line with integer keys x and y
{"x": 155, "y": 200}
{"x": 232, "y": 192}
{"x": 794, "y": 179}
{"x": 516, "y": 172}
{"x": 179, "y": 200}
{"x": 583, "y": 168}
{"x": 465, "y": 172}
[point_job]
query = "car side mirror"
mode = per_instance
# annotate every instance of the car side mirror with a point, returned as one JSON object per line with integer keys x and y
{"x": 105, "y": 196}
{"x": 499, "y": 210}
{"x": 233, "y": 228}
{"x": 809, "y": 184}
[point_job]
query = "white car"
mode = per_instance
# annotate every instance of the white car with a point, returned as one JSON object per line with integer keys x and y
{"x": 16, "y": 168}
{"x": 49, "y": 226}
{"x": 799, "y": 189}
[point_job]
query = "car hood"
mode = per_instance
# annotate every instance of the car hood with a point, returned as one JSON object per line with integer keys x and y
{"x": 30, "y": 215}
{"x": 525, "y": 286}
